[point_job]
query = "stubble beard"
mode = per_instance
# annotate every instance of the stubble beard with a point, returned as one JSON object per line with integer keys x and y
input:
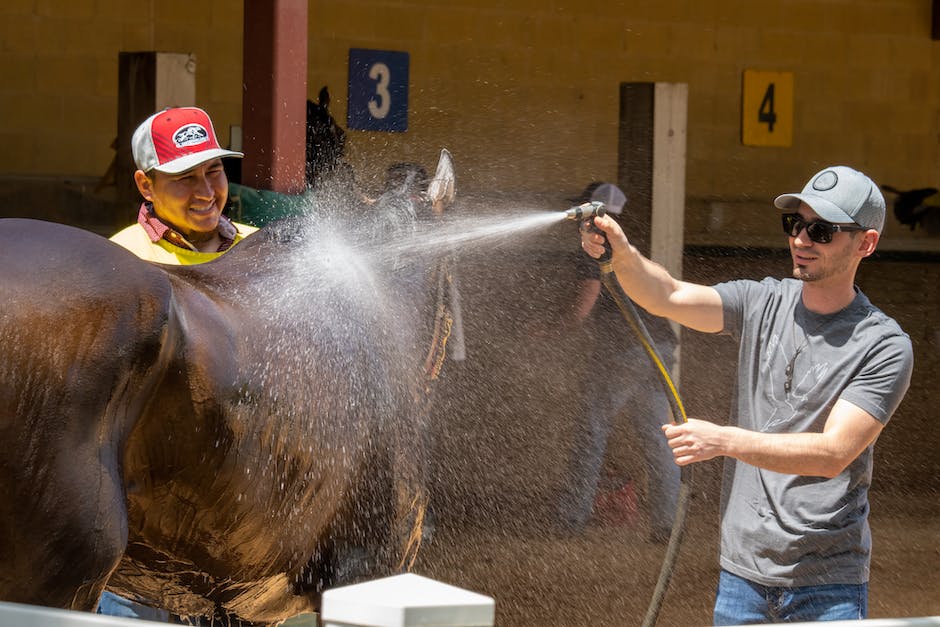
{"x": 801, "y": 274}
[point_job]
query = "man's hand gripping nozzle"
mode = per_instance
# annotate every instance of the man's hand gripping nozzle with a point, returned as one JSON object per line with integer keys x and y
{"x": 585, "y": 214}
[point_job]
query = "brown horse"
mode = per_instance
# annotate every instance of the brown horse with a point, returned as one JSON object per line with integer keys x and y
{"x": 223, "y": 440}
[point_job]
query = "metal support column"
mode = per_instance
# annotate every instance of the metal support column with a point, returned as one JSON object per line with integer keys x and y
{"x": 274, "y": 104}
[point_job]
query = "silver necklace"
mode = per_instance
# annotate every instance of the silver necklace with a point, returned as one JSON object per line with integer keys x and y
{"x": 788, "y": 382}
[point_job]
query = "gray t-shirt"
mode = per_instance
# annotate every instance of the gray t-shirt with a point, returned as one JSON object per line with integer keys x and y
{"x": 790, "y": 530}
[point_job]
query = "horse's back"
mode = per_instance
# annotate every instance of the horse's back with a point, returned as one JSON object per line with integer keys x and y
{"x": 232, "y": 429}
{"x": 81, "y": 326}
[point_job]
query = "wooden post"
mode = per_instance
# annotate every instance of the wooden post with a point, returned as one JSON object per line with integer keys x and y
{"x": 670, "y": 116}
{"x": 274, "y": 106}
{"x": 651, "y": 169}
{"x": 935, "y": 20}
{"x": 635, "y": 161}
{"x": 147, "y": 82}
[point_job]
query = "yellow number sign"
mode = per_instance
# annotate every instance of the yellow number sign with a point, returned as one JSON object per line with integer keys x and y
{"x": 767, "y": 109}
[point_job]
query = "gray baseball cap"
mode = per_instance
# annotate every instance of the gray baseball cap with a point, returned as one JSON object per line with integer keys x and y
{"x": 840, "y": 195}
{"x": 612, "y": 196}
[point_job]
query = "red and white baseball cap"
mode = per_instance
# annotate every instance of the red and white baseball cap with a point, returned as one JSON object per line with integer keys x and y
{"x": 176, "y": 140}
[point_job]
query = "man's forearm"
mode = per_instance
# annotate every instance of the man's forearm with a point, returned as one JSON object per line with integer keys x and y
{"x": 808, "y": 454}
{"x": 646, "y": 282}
{"x": 847, "y": 432}
{"x": 652, "y": 287}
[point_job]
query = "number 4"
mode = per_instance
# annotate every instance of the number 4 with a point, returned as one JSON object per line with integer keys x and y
{"x": 766, "y": 115}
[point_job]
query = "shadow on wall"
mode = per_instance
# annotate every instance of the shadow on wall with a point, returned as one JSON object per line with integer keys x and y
{"x": 912, "y": 209}
{"x": 80, "y": 202}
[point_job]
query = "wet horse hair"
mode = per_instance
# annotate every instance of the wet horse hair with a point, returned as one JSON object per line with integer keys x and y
{"x": 223, "y": 440}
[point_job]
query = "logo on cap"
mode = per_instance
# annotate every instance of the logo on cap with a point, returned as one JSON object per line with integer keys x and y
{"x": 190, "y": 135}
{"x": 826, "y": 181}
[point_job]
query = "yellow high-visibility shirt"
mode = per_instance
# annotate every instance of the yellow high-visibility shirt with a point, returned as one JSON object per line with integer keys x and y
{"x": 135, "y": 239}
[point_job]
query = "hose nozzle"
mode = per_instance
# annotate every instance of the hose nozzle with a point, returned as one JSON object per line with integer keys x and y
{"x": 586, "y": 211}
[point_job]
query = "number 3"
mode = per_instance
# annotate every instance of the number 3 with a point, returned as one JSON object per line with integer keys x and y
{"x": 380, "y": 72}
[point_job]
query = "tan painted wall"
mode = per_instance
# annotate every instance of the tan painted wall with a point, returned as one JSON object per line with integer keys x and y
{"x": 523, "y": 92}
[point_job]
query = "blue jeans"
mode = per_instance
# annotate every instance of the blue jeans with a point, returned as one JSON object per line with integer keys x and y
{"x": 743, "y": 602}
{"x": 111, "y": 604}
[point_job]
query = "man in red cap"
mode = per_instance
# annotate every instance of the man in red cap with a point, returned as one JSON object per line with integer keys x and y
{"x": 180, "y": 176}
{"x": 184, "y": 187}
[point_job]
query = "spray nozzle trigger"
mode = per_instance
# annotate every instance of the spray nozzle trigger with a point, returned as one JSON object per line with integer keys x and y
{"x": 586, "y": 211}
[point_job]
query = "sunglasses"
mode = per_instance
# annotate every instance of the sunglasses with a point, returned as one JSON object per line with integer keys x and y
{"x": 818, "y": 231}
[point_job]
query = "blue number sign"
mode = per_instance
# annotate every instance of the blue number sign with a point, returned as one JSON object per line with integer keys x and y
{"x": 378, "y": 90}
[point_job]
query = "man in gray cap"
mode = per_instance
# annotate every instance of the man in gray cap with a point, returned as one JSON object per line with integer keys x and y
{"x": 820, "y": 372}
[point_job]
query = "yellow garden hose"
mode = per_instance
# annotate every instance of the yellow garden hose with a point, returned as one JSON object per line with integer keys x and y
{"x": 630, "y": 314}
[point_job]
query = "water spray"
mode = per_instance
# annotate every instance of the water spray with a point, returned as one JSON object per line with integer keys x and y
{"x": 588, "y": 211}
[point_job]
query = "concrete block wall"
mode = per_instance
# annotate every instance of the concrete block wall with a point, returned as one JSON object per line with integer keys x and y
{"x": 525, "y": 94}
{"x": 543, "y": 76}
{"x": 58, "y": 84}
